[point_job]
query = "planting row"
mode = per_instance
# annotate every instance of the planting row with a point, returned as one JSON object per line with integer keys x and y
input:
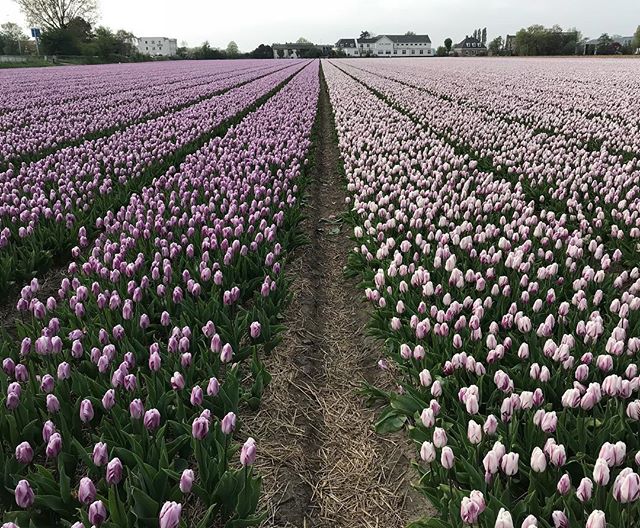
{"x": 33, "y": 132}
{"x": 43, "y": 203}
{"x": 596, "y": 191}
{"x": 121, "y": 401}
{"x": 596, "y": 106}
{"x": 513, "y": 337}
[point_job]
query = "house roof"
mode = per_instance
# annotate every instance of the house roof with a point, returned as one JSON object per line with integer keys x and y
{"x": 368, "y": 40}
{"x": 623, "y": 41}
{"x": 470, "y": 43}
{"x": 409, "y": 39}
{"x": 292, "y": 46}
{"x": 346, "y": 43}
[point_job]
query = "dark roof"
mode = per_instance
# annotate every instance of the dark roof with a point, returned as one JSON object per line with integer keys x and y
{"x": 368, "y": 40}
{"x": 470, "y": 43}
{"x": 292, "y": 46}
{"x": 409, "y": 39}
{"x": 346, "y": 43}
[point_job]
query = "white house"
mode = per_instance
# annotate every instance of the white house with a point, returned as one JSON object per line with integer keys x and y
{"x": 348, "y": 46}
{"x": 395, "y": 46}
{"x": 158, "y": 46}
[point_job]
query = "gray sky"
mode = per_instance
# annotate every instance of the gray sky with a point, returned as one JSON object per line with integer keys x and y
{"x": 251, "y": 22}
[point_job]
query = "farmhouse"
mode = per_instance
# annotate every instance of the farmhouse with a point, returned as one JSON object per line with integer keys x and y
{"x": 470, "y": 47}
{"x": 158, "y": 46}
{"x": 590, "y": 47}
{"x": 348, "y": 46}
{"x": 299, "y": 50}
{"x": 387, "y": 46}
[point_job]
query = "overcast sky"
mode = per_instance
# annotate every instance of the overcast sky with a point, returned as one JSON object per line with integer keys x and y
{"x": 251, "y": 22}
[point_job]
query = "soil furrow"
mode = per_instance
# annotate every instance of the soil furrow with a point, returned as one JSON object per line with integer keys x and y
{"x": 323, "y": 465}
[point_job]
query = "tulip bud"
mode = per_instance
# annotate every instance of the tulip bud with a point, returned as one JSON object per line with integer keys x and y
{"x": 170, "y": 515}
{"x": 446, "y": 458}
{"x": 597, "y": 519}
{"x": 248, "y": 452}
{"x": 186, "y": 481}
{"x": 86, "y": 491}
{"x": 24, "y": 453}
{"x": 114, "y": 472}
{"x": 228, "y": 423}
{"x": 24, "y": 494}
{"x": 97, "y": 513}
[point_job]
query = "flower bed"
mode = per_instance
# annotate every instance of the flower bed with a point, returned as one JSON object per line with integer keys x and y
{"x": 511, "y": 331}
{"x": 123, "y": 401}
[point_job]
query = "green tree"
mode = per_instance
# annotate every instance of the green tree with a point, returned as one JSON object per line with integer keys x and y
{"x": 410, "y": 33}
{"x": 365, "y": 35}
{"x": 605, "y": 45}
{"x": 636, "y": 39}
{"x": 12, "y": 38}
{"x": 263, "y": 51}
{"x": 80, "y": 29}
{"x": 484, "y": 36}
{"x": 447, "y": 44}
{"x": 442, "y": 51}
{"x": 496, "y": 45}
{"x": 232, "y": 49}
{"x": 57, "y": 14}
{"x": 59, "y": 42}
{"x": 303, "y": 40}
{"x": 281, "y": 53}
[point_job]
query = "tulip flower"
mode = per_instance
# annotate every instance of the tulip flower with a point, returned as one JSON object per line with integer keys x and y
{"x": 86, "y": 491}
{"x": 170, "y": 515}
{"x": 248, "y": 452}
{"x": 97, "y": 513}
{"x": 24, "y": 494}
{"x": 186, "y": 481}
{"x": 114, "y": 472}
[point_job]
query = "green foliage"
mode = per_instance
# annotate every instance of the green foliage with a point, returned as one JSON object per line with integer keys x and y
{"x": 11, "y": 38}
{"x": 496, "y": 45}
{"x": 538, "y": 40}
{"x": 605, "y": 45}
{"x": 442, "y": 51}
{"x": 636, "y": 39}
{"x": 448, "y": 43}
{"x": 232, "y": 49}
{"x": 263, "y": 51}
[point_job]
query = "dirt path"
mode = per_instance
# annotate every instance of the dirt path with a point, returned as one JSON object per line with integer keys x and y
{"x": 323, "y": 466}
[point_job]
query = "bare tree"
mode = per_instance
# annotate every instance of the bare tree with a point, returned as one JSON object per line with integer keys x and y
{"x": 56, "y": 14}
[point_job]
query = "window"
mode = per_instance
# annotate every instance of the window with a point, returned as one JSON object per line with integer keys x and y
{"x": 404, "y": 52}
{"x": 413, "y": 52}
{"x": 421, "y": 52}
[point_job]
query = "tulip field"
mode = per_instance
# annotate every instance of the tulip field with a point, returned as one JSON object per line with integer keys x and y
{"x": 123, "y": 389}
{"x": 494, "y": 211}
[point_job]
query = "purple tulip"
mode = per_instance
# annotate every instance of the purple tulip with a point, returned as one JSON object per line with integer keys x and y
{"x": 100, "y": 454}
{"x": 186, "y": 481}
{"x": 114, "y": 472}
{"x": 97, "y": 513}
{"x": 200, "y": 428}
{"x": 24, "y": 453}
{"x": 24, "y": 494}
{"x": 54, "y": 445}
{"x": 228, "y": 423}
{"x": 248, "y": 452}
{"x": 152, "y": 419}
{"x": 136, "y": 409}
{"x": 255, "y": 329}
{"x": 86, "y": 491}
{"x": 86, "y": 411}
{"x": 170, "y": 515}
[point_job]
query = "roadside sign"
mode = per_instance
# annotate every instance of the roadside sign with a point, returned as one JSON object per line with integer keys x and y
{"x": 35, "y": 33}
